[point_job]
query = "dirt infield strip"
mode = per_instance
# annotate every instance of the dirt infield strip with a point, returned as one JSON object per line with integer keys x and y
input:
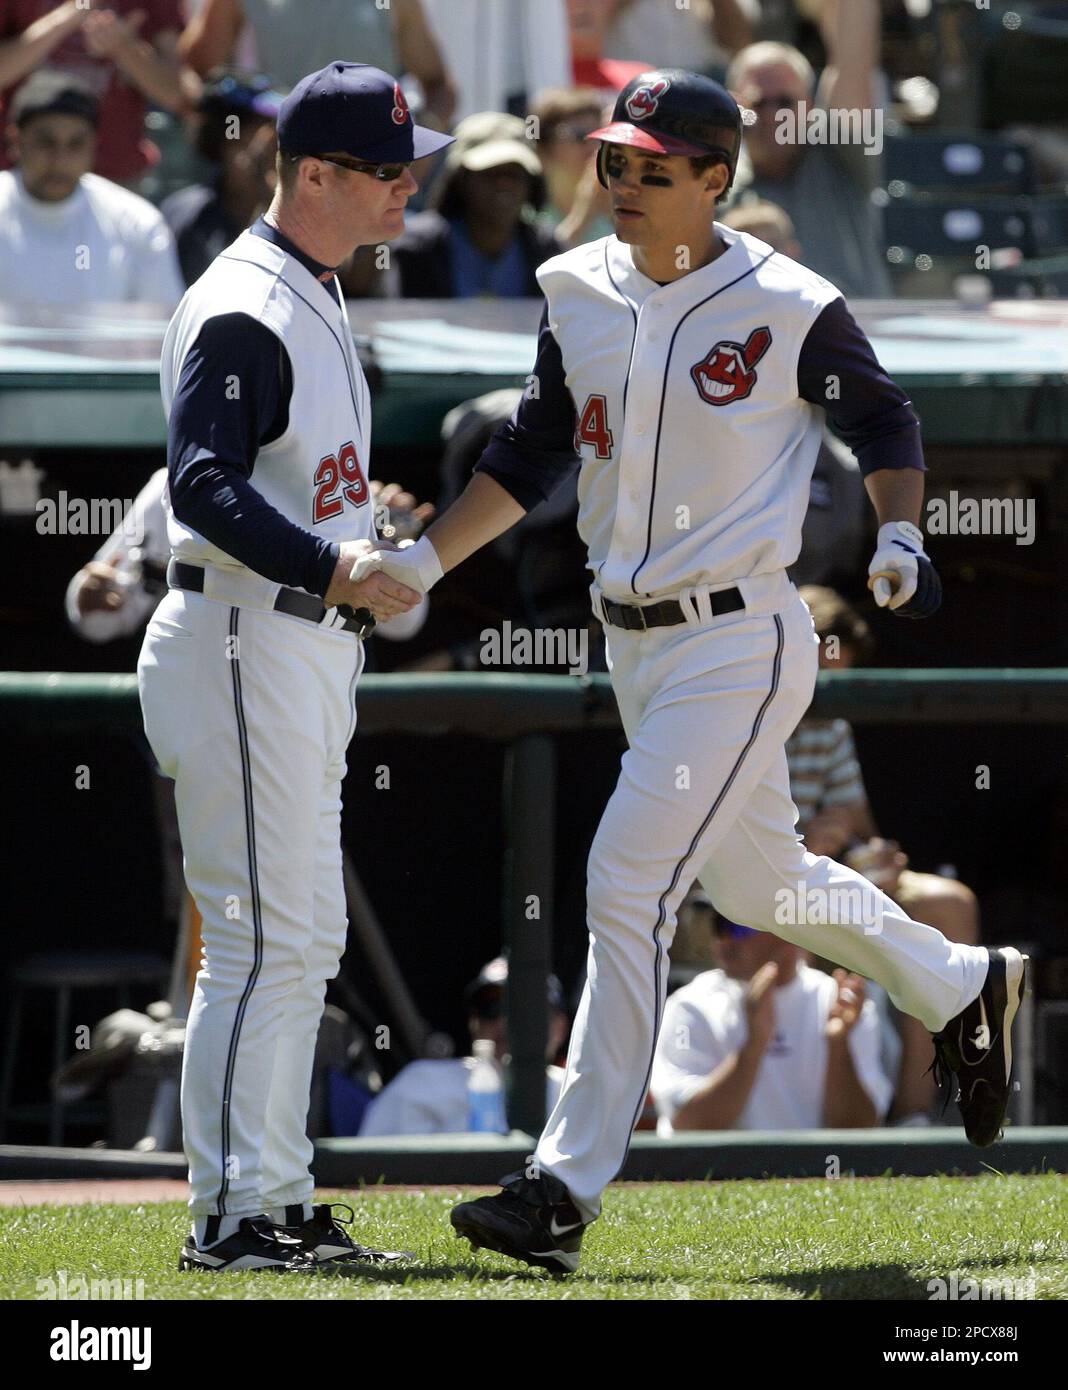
{"x": 71, "y": 1194}
{"x": 137, "y": 1190}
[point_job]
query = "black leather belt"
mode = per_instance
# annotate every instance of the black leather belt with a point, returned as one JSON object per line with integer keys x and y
{"x": 666, "y": 614}
{"x": 291, "y": 601}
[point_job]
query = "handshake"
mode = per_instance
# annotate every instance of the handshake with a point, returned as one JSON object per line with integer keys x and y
{"x": 388, "y": 579}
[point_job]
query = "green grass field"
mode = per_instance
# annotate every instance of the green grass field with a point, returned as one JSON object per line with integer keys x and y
{"x": 876, "y": 1238}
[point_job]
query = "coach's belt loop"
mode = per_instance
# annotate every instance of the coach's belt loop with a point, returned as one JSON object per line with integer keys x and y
{"x": 704, "y": 603}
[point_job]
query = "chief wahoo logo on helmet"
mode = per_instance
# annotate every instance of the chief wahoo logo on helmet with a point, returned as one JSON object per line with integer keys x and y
{"x": 670, "y": 111}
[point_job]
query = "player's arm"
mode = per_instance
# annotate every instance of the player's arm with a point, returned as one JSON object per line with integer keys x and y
{"x": 232, "y": 397}
{"x": 838, "y": 371}
{"x": 528, "y": 457}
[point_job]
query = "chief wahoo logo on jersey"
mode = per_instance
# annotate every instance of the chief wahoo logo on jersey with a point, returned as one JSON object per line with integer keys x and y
{"x": 727, "y": 372}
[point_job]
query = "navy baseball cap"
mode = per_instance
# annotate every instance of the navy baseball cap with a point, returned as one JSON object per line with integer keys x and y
{"x": 353, "y": 109}
{"x": 234, "y": 91}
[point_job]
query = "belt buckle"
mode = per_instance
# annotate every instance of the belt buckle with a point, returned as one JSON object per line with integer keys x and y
{"x": 639, "y": 624}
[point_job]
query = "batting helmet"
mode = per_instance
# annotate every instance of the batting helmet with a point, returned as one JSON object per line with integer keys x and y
{"x": 672, "y": 111}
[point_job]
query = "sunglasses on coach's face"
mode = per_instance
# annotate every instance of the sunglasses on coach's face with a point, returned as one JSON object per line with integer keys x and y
{"x": 386, "y": 172}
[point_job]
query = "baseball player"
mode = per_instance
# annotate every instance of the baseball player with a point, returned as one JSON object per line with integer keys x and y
{"x": 250, "y": 664}
{"x": 690, "y": 366}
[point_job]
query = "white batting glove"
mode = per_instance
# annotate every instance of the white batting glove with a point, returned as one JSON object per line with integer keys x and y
{"x": 895, "y": 566}
{"x": 414, "y": 563}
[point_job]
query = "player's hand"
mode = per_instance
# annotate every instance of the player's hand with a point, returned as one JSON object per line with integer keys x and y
{"x": 900, "y": 575}
{"x": 380, "y": 592}
{"x": 847, "y": 1005}
{"x": 101, "y": 589}
{"x": 412, "y": 563}
{"x": 402, "y": 517}
{"x": 760, "y": 1004}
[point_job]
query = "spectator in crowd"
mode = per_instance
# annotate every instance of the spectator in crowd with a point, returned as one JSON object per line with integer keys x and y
{"x": 67, "y": 236}
{"x": 293, "y": 38}
{"x": 576, "y": 204}
{"x": 430, "y": 1097}
{"x": 235, "y": 133}
{"x": 500, "y": 52}
{"x": 835, "y": 819}
{"x": 768, "y": 1042}
{"x": 767, "y": 222}
{"x": 589, "y": 24}
{"x": 824, "y": 188}
{"x": 701, "y": 35}
{"x": 478, "y": 238}
{"x": 693, "y": 948}
{"x": 125, "y": 53}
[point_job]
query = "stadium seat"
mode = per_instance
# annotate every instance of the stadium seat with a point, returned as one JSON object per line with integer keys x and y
{"x": 62, "y": 973}
{"x": 1024, "y": 67}
{"x": 940, "y": 238}
{"x": 955, "y": 161}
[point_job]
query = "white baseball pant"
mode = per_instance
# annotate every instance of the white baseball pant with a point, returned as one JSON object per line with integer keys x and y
{"x": 704, "y": 792}
{"x": 254, "y": 734}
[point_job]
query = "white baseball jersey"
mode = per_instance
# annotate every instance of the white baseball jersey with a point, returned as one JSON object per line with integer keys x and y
{"x": 314, "y": 473}
{"x": 697, "y": 450}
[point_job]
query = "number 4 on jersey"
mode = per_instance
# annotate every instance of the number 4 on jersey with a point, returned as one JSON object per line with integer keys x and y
{"x": 342, "y": 468}
{"x": 593, "y": 428}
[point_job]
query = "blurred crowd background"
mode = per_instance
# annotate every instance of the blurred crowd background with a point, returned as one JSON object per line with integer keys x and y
{"x": 143, "y": 131}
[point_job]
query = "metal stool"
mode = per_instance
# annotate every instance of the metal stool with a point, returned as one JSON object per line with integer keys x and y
{"x": 62, "y": 973}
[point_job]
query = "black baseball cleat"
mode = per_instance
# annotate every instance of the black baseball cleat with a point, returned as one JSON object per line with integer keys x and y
{"x": 531, "y": 1219}
{"x": 257, "y": 1244}
{"x": 976, "y": 1047}
{"x": 324, "y": 1236}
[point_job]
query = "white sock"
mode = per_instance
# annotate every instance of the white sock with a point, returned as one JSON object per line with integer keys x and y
{"x": 278, "y": 1214}
{"x": 227, "y": 1226}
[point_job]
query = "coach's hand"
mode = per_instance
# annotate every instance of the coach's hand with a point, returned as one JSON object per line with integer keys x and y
{"x": 900, "y": 576}
{"x": 376, "y": 590}
{"x": 415, "y": 563}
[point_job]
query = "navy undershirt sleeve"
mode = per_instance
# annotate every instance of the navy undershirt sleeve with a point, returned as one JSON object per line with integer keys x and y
{"x": 868, "y": 410}
{"x": 531, "y": 454}
{"x": 231, "y": 399}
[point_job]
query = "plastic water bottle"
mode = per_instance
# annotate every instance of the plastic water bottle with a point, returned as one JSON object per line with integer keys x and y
{"x": 485, "y": 1093}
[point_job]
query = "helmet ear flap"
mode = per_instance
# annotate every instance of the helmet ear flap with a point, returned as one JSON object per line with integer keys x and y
{"x": 602, "y": 162}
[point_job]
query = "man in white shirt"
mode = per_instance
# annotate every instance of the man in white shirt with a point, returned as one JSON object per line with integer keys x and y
{"x": 68, "y": 236}
{"x": 767, "y": 1042}
{"x": 430, "y": 1096}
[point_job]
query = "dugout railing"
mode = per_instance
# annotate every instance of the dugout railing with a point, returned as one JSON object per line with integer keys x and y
{"x": 524, "y": 712}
